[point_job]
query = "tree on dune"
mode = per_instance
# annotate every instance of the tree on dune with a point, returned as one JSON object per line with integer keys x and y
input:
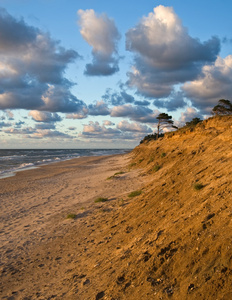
{"x": 164, "y": 121}
{"x": 194, "y": 122}
{"x": 224, "y": 107}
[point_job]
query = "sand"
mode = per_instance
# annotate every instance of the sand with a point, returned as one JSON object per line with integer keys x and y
{"x": 34, "y": 207}
{"x": 172, "y": 241}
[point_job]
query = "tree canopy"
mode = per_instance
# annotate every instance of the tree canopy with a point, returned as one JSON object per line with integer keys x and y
{"x": 194, "y": 122}
{"x": 164, "y": 121}
{"x": 224, "y": 107}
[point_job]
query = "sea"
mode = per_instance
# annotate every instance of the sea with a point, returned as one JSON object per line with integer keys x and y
{"x": 12, "y": 161}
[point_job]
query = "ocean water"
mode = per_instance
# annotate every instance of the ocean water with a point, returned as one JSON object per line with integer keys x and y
{"x": 12, "y": 161}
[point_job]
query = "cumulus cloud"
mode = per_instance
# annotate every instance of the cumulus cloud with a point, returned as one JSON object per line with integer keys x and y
{"x": 26, "y": 132}
{"x": 108, "y": 123}
{"x": 142, "y": 102}
{"x": 43, "y": 126}
{"x": 187, "y": 116}
{"x": 214, "y": 83}
{"x": 47, "y": 117}
{"x": 165, "y": 53}
{"x": 175, "y": 101}
{"x": 95, "y": 130}
{"x": 82, "y": 114}
{"x": 100, "y": 32}
{"x": 133, "y": 127}
{"x": 100, "y": 108}
{"x": 32, "y": 67}
{"x": 54, "y": 134}
{"x": 38, "y": 133}
{"x": 117, "y": 98}
{"x": 136, "y": 113}
{"x": 5, "y": 124}
{"x": 124, "y": 131}
{"x": 19, "y": 124}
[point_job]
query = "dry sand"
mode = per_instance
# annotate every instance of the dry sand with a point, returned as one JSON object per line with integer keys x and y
{"x": 173, "y": 241}
{"x": 34, "y": 206}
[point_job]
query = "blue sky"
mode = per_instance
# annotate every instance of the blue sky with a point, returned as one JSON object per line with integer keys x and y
{"x": 95, "y": 74}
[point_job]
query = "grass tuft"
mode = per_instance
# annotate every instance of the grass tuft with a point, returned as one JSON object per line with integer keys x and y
{"x": 156, "y": 168}
{"x": 135, "y": 193}
{"x": 132, "y": 165}
{"x": 198, "y": 186}
{"x": 100, "y": 199}
{"x": 116, "y": 175}
{"x": 71, "y": 216}
{"x": 119, "y": 173}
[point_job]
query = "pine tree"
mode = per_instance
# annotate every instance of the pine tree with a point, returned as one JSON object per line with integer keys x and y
{"x": 165, "y": 121}
{"x": 224, "y": 107}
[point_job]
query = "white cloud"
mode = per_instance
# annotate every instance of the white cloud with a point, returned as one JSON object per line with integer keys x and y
{"x": 133, "y": 127}
{"x": 100, "y": 32}
{"x": 32, "y": 67}
{"x": 100, "y": 108}
{"x": 136, "y": 113}
{"x": 165, "y": 54}
{"x": 214, "y": 84}
{"x": 40, "y": 116}
{"x": 123, "y": 132}
{"x": 189, "y": 114}
{"x": 108, "y": 123}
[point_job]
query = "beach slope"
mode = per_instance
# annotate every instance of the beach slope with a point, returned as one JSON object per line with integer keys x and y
{"x": 170, "y": 240}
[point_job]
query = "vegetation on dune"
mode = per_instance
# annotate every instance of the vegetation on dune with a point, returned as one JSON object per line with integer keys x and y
{"x": 100, "y": 199}
{"x": 71, "y": 216}
{"x": 164, "y": 121}
{"x": 193, "y": 123}
{"x": 223, "y": 108}
{"x": 156, "y": 168}
{"x": 135, "y": 193}
{"x": 198, "y": 186}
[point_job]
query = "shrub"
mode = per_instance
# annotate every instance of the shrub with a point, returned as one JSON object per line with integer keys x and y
{"x": 100, "y": 199}
{"x": 156, "y": 168}
{"x": 71, "y": 216}
{"x": 132, "y": 165}
{"x": 163, "y": 154}
{"x": 119, "y": 173}
{"x": 151, "y": 159}
{"x": 116, "y": 175}
{"x": 198, "y": 186}
{"x": 134, "y": 194}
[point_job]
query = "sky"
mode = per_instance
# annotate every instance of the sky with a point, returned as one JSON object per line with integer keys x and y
{"x": 96, "y": 74}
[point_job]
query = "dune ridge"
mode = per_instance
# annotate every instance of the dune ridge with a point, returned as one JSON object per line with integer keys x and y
{"x": 172, "y": 241}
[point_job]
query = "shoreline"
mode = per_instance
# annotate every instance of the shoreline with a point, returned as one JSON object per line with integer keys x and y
{"x": 37, "y": 164}
{"x": 34, "y": 206}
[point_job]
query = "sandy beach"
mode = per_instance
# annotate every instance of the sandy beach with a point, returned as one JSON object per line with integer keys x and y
{"x": 172, "y": 239}
{"x": 34, "y": 207}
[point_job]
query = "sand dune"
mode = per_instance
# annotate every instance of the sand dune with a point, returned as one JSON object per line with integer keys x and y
{"x": 173, "y": 241}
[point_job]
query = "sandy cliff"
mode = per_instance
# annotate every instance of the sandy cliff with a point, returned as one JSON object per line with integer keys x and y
{"x": 173, "y": 241}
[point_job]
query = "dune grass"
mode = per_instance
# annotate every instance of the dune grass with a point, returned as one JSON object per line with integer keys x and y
{"x": 116, "y": 175}
{"x": 198, "y": 186}
{"x": 134, "y": 194}
{"x": 101, "y": 199}
{"x": 71, "y": 216}
{"x": 156, "y": 168}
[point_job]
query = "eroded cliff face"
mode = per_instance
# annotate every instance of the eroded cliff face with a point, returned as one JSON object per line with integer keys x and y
{"x": 174, "y": 241}
{"x": 185, "y": 211}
